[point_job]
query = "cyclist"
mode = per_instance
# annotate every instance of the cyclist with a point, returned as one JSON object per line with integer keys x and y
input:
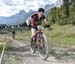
{"x": 36, "y": 19}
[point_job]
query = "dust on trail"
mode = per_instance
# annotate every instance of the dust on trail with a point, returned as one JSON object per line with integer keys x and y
{"x": 25, "y": 56}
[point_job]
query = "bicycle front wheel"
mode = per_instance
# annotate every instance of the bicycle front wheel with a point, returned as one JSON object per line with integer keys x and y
{"x": 43, "y": 48}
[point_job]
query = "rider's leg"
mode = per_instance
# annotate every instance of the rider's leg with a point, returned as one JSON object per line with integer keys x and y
{"x": 33, "y": 33}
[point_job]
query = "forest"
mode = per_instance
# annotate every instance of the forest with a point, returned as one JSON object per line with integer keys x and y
{"x": 63, "y": 15}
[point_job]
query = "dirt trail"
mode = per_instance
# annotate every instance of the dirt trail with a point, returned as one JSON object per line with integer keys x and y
{"x": 23, "y": 52}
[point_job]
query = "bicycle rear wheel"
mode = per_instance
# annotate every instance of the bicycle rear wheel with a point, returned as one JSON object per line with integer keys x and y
{"x": 43, "y": 48}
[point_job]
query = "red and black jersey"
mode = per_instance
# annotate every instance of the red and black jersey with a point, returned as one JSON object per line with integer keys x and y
{"x": 36, "y": 20}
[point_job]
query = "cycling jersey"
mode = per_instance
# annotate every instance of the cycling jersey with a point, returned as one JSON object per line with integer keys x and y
{"x": 36, "y": 20}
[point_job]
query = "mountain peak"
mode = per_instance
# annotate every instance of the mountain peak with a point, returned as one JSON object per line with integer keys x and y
{"x": 22, "y": 12}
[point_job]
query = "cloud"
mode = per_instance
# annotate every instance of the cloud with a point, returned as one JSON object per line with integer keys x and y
{"x": 53, "y": 1}
{"x": 11, "y": 7}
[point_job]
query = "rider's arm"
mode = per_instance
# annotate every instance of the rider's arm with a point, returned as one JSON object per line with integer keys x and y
{"x": 31, "y": 18}
{"x": 28, "y": 21}
{"x": 46, "y": 22}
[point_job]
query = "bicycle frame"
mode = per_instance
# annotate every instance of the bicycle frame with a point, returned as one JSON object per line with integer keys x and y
{"x": 40, "y": 43}
{"x": 38, "y": 35}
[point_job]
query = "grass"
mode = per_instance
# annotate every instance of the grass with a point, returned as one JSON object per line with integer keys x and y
{"x": 24, "y": 35}
{"x": 3, "y": 38}
{"x": 63, "y": 34}
{"x": 58, "y": 35}
{"x": 1, "y": 47}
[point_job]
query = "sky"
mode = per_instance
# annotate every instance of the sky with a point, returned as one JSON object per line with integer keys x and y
{"x": 11, "y": 7}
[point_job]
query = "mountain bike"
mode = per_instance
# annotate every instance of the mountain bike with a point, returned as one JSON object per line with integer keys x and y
{"x": 40, "y": 44}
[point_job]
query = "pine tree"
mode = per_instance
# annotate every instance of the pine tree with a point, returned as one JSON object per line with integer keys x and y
{"x": 66, "y": 7}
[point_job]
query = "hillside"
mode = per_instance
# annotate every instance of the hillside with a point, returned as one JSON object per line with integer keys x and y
{"x": 58, "y": 35}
